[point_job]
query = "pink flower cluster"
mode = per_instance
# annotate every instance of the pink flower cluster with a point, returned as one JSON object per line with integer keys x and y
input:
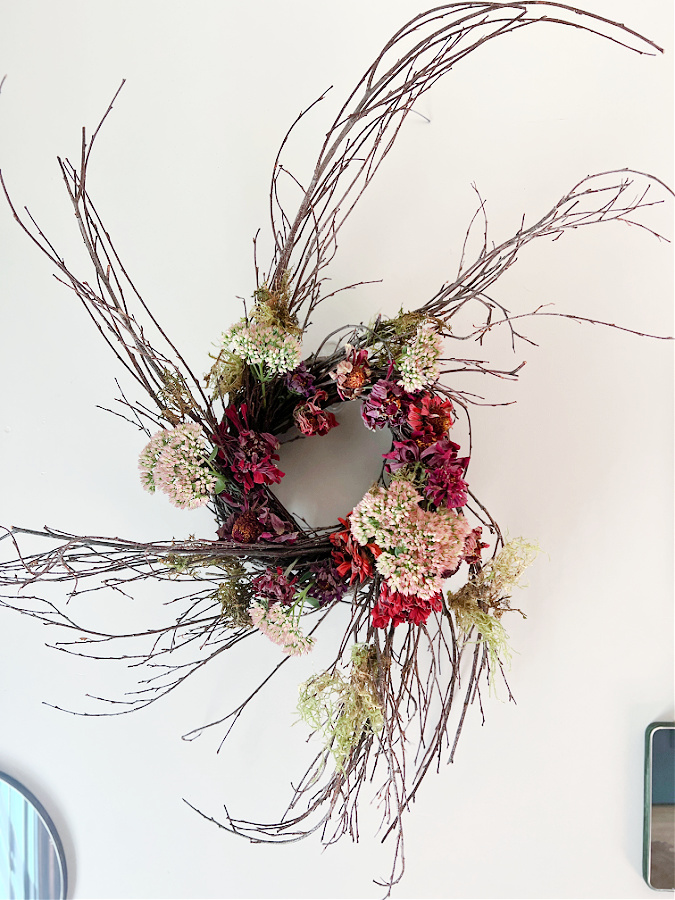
{"x": 174, "y": 463}
{"x": 278, "y": 624}
{"x": 418, "y": 546}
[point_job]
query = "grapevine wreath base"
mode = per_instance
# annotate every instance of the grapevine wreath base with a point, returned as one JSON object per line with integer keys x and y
{"x": 419, "y": 563}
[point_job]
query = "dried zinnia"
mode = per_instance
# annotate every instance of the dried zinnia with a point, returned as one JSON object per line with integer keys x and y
{"x": 395, "y": 607}
{"x": 351, "y": 560}
{"x": 249, "y": 455}
{"x": 327, "y": 582}
{"x": 300, "y": 381}
{"x": 352, "y": 373}
{"x": 431, "y": 414}
{"x": 311, "y": 419}
{"x": 275, "y": 586}
{"x": 445, "y": 485}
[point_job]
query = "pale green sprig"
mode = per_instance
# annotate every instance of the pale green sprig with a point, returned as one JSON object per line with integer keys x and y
{"x": 343, "y": 708}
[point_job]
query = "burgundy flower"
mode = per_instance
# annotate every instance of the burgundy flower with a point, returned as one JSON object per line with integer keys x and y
{"x": 249, "y": 455}
{"x": 387, "y": 404}
{"x": 252, "y": 521}
{"x": 441, "y": 453}
{"x": 275, "y": 586}
{"x": 311, "y": 419}
{"x": 405, "y": 453}
{"x": 396, "y": 608}
{"x": 445, "y": 485}
{"x": 349, "y": 557}
{"x": 300, "y": 381}
{"x": 328, "y": 585}
{"x": 352, "y": 374}
{"x": 431, "y": 414}
{"x": 244, "y": 528}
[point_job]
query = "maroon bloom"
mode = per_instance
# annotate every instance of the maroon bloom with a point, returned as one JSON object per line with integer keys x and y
{"x": 328, "y": 584}
{"x": 251, "y": 521}
{"x": 300, "y": 381}
{"x": 473, "y": 546}
{"x": 387, "y": 404}
{"x": 311, "y": 419}
{"x": 405, "y": 453}
{"x": 445, "y": 485}
{"x": 249, "y": 455}
{"x": 396, "y": 608}
{"x": 442, "y": 453}
{"x": 275, "y": 586}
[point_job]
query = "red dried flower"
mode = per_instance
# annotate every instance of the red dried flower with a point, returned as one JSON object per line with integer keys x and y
{"x": 249, "y": 455}
{"x": 275, "y": 586}
{"x": 351, "y": 560}
{"x": 396, "y": 608}
{"x": 431, "y": 415}
{"x": 387, "y": 404}
{"x": 473, "y": 546}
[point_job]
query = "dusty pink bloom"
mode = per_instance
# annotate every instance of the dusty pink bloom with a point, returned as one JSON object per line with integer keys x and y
{"x": 417, "y": 545}
{"x": 279, "y": 626}
{"x": 311, "y": 419}
{"x": 174, "y": 462}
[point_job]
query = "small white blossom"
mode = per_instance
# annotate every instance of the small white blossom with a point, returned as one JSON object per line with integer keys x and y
{"x": 418, "y": 364}
{"x": 271, "y": 347}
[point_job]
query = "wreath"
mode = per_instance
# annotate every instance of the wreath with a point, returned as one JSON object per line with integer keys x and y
{"x": 420, "y": 565}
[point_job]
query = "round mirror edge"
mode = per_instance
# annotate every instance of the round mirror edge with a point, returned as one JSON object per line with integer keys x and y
{"x": 49, "y": 825}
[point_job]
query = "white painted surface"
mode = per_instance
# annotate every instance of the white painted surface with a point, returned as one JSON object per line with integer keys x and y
{"x": 544, "y": 800}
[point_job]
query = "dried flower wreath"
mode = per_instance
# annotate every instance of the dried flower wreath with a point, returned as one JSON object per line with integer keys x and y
{"x": 216, "y": 442}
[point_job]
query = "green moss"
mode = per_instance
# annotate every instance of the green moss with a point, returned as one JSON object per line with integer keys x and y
{"x": 343, "y": 709}
{"x": 227, "y": 373}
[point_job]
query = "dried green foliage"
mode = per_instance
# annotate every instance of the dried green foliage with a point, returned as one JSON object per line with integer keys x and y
{"x": 234, "y": 597}
{"x": 272, "y": 307}
{"x": 481, "y": 603}
{"x": 343, "y": 709}
{"x": 226, "y": 375}
{"x": 176, "y": 397}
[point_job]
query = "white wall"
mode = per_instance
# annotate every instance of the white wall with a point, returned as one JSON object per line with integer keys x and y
{"x": 544, "y": 800}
